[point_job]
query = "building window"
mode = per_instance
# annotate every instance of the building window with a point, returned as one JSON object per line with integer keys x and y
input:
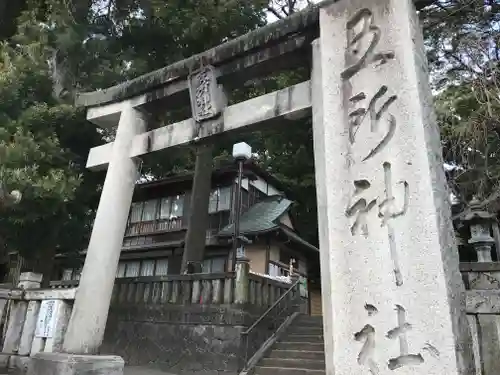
{"x": 149, "y": 210}
{"x": 161, "y": 267}
{"x": 67, "y": 274}
{"x": 156, "y": 214}
{"x": 172, "y": 207}
{"x": 148, "y": 267}
{"x": 220, "y": 200}
{"x": 214, "y": 265}
{"x": 254, "y": 195}
{"x": 120, "y": 272}
{"x": 136, "y": 212}
{"x": 132, "y": 269}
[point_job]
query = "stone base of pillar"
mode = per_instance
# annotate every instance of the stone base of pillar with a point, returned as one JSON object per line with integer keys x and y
{"x": 74, "y": 364}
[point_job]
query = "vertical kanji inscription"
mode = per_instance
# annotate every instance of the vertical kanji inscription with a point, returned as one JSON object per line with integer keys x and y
{"x": 404, "y": 358}
{"x": 375, "y": 113}
{"x": 363, "y": 36}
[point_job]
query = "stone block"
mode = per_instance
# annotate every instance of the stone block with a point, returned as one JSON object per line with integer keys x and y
{"x": 74, "y": 364}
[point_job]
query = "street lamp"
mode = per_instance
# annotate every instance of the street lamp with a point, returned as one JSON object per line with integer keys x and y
{"x": 241, "y": 153}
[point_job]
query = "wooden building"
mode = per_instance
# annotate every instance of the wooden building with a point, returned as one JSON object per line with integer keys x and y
{"x": 154, "y": 240}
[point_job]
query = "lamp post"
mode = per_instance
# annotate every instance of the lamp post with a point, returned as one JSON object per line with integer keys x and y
{"x": 241, "y": 153}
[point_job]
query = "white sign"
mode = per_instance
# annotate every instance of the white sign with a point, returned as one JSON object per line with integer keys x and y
{"x": 47, "y": 318}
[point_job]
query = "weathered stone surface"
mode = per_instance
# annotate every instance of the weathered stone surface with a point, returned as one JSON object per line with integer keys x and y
{"x": 292, "y": 102}
{"x": 176, "y": 348}
{"x": 71, "y": 364}
{"x": 178, "y": 338}
{"x": 483, "y": 302}
{"x": 393, "y": 297}
{"x": 88, "y": 318}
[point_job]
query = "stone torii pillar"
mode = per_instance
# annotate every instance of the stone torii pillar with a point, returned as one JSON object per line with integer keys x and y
{"x": 393, "y": 298}
{"x": 88, "y": 319}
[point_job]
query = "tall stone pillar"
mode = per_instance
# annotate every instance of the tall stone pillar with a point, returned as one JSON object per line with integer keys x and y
{"x": 88, "y": 319}
{"x": 393, "y": 298}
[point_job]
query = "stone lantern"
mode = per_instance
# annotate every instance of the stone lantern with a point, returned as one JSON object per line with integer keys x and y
{"x": 480, "y": 223}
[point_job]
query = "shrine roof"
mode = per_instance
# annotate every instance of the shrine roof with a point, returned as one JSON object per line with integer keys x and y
{"x": 291, "y": 33}
{"x": 263, "y": 217}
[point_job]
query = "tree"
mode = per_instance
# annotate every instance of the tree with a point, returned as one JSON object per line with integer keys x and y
{"x": 56, "y": 48}
{"x": 463, "y": 48}
{"x": 35, "y": 161}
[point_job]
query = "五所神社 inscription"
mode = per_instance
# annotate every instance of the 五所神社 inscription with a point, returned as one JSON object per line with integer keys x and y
{"x": 382, "y": 201}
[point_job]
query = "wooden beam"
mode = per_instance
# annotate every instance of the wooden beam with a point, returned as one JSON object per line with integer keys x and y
{"x": 291, "y": 103}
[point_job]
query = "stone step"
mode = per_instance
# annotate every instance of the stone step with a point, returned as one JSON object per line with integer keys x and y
{"x": 295, "y": 337}
{"x": 299, "y": 354}
{"x": 311, "y": 364}
{"x": 299, "y": 345}
{"x": 307, "y": 330}
{"x": 307, "y": 324}
{"x": 309, "y": 320}
{"x": 263, "y": 370}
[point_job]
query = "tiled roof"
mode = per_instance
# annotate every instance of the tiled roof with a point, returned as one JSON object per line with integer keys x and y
{"x": 261, "y": 217}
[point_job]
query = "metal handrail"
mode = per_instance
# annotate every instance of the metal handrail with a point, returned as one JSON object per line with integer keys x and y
{"x": 270, "y": 330}
{"x": 292, "y": 287}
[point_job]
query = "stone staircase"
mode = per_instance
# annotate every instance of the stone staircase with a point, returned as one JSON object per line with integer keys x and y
{"x": 300, "y": 351}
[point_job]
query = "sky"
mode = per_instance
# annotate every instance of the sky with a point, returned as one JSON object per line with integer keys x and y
{"x": 301, "y": 4}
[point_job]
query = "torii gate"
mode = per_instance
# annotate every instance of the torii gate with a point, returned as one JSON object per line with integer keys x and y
{"x": 385, "y": 231}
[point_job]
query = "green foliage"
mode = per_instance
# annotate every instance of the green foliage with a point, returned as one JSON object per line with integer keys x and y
{"x": 43, "y": 147}
{"x": 463, "y": 48}
{"x": 59, "y": 48}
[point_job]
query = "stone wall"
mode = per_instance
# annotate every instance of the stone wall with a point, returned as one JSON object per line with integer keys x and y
{"x": 177, "y": 339}
{"x": 186, "y": 323}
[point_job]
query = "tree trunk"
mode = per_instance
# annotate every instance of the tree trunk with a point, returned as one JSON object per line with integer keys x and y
{"x": 194, "y": 248}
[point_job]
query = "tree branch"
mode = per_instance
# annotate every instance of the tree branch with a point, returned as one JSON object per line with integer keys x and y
{"x": 275, "y": 12}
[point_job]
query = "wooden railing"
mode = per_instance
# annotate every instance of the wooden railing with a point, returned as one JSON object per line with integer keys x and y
{"x": 154, "y": 226}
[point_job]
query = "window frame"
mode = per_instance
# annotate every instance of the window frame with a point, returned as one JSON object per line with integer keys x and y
{"x": 218, "y": 192}
{"x": 211, "y": 262}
